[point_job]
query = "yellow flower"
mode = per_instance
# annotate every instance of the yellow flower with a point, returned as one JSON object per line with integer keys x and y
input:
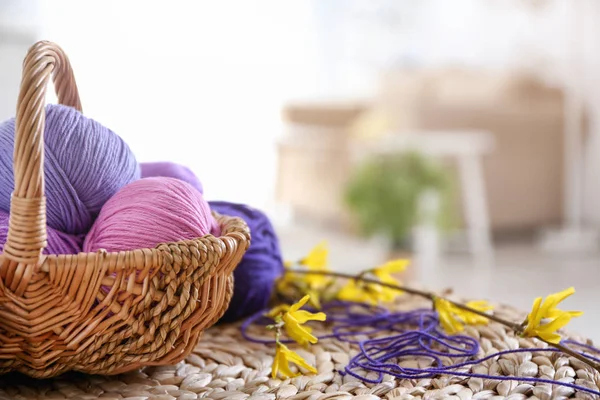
{"x": 317, "y": 257}
{"x": 357, "y": 292}
{"x": 278, "y": 311}
{"x": 315, "y": 298}
{"x": 474, "y": 319}
{"x": 283, "y": 356}
{"x": 294, "y": 318}
{"x": 373, "y": 293}
{"x": 547, "y": 311}
{"x": 314, "y": 285}
{"x": 452, "y": 317}
{"x": 317, "y": 260}
{"x": 384, "y": 273}
{"x": 447, "y": 316}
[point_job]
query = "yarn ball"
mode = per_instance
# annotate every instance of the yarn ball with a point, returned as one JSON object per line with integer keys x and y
{"x": 58, "y": 242}
{"x": 171, "y": 170}
{"x": 260, "y": 267}
{"x": 85, "y": 164}
{"x": 148, "y": 212}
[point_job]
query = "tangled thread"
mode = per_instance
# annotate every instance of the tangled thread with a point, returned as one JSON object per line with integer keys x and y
{"x": 385, "y": 338}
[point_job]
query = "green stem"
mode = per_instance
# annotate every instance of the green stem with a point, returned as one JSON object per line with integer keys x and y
{"x": 517, "y": 328}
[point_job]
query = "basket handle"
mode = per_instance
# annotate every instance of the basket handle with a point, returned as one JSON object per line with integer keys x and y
{"x": 27, "y": 229}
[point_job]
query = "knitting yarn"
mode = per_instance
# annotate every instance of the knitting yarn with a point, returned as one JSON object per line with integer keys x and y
{"x": 171, "y": 170}
{"x": 261, "y": 265}
{"x": 85, "y": 164}
{"x": 58, "y": 242}
{"x": 148, "y": 212}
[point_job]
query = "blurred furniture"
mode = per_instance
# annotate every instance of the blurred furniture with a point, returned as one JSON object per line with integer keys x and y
{"x": 467, "y": 148}
{"x": 524, "y": 174}
{"x": 314, "y": 160}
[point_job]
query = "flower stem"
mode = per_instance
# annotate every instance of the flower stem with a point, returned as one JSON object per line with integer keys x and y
{"x": 417, "y": 292}
{"x": 575, "y": 354}
{"x": 517, "y": 328}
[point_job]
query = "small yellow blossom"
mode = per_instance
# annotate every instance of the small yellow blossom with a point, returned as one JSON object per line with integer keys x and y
{"x": 448, "y": 319}
{"x": 384, "y": 273}
{"x": 315, "y": 298}
{"x": 314, "y": 285}
{"x": 292, "y": 319}
{"x": 372, "y": 293}
{"x": 452, "y": 318}
{"x": 471, "y": 318}
{"x": 317, "y": 260}
{"x": 358, "y": 292}
{"x": 278, "y": 310}
{"x": 284, "y": 356}
{"x": 547, "y": 311}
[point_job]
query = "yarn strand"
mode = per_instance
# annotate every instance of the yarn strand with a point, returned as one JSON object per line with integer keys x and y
{"x": 515, "y": 327}
{"x": 407, "y": 335}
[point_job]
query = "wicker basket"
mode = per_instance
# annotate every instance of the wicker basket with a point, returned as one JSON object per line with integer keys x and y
{"x": 54, "y": 314}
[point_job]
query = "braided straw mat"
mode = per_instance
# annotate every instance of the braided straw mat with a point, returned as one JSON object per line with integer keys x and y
{"x": 226, "y": 366}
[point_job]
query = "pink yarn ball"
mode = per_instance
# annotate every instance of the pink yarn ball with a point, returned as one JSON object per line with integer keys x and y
{"x": 149, "y": 212}
{"x": 58, "y": 242}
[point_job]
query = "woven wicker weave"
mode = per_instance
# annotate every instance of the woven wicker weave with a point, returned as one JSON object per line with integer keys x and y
{"x": 226, "y": 366}
{"x": 54, "y": 317}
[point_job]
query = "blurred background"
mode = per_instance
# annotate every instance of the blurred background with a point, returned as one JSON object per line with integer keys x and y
{"x": 464, "y": 135}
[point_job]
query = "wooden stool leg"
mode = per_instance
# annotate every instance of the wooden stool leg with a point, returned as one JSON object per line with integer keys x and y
{"x": 475, "y": 207}
{"x": 426, "y": 237}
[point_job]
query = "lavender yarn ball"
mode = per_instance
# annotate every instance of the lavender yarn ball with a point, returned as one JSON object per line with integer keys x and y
{"x": 260, "y": 267}
{"x": 85, "y": 164}
{"x": 58, "y": 242}
{"x": 171, "y": 170}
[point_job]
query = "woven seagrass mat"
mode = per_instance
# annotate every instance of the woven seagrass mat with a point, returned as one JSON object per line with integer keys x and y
{"x": 226, "y": 366}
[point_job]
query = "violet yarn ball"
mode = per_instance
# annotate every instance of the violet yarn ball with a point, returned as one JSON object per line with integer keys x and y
{"x": 85, "y": 164}
{"x": 171, "y": 170}
{"x": 260, "y": 267}
{"x": 57, "y": 242}
{"x": 148, "y": 212}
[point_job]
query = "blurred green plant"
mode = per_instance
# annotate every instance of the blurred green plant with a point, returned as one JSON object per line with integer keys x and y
{"x": 384, "y": 192}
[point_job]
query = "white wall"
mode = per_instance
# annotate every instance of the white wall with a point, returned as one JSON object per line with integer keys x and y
{"x": 19, "y": 28}
{"x": 366, "y": 36}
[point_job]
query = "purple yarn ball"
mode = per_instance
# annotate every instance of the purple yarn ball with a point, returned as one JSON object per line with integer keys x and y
{"x": 58, "y": 242}
{"x": 85, "y": 164}
{"x": 260, "y": 267}
{"x": 168, "y": 169}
